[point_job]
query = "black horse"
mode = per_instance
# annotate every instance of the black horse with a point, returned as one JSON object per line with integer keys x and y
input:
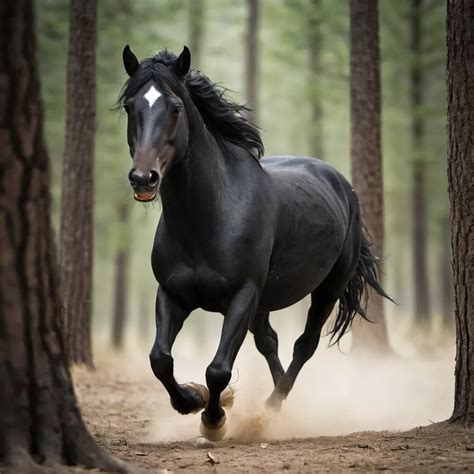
{"x": 238, "y": 235}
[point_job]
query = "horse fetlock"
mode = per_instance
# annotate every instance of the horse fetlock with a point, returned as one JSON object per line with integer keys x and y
{"x": 200, "y": 389}
{"x": 192, "y": 400}
{"x": 218, "y": 377}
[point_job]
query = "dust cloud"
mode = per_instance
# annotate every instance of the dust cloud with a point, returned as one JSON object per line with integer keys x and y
{"x": 335, "y": 394}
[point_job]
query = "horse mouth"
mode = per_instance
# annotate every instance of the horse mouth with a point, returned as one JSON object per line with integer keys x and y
{"x": 145, "y": 196}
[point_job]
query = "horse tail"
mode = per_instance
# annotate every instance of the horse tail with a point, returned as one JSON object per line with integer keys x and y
{"x": 354, "y": 298}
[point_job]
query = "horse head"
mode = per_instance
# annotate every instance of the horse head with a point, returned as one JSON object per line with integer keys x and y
{"x": 158, "y": 129}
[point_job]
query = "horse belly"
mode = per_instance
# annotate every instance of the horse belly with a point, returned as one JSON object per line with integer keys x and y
{"x": 296, "y": 275}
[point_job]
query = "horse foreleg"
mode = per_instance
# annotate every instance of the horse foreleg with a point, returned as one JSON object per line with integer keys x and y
{"x": 236, "y": 324}
{"x": 170, "y": 316}
{"x": 266, "y": 341}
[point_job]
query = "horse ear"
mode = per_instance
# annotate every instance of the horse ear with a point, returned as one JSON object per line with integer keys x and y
{"x": 182, "y": 64}
{"x": 130, "y": 61}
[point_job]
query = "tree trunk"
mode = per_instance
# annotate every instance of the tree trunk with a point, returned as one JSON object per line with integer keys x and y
{"x": 40, "y": 421}
{"x": 460, "y": 42}
{"x": 446, "y": 278}
{"x": 76, "y": 233}
{"x": 196, "y": 31}
{"x": 120, "y": 308}
{"x": 366, "y": 153}
{"x": 251, "y": 74}
{"x": 314, "y": 48}
{"x": 419, "y": 217}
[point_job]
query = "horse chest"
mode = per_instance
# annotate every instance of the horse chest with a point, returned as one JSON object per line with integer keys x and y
{"x": 199, "y": 285}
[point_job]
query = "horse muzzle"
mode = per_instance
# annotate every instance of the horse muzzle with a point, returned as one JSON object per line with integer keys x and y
{"x": 144, "y": 183}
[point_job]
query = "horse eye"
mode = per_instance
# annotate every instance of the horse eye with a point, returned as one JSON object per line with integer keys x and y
{"x": 177, "y": 109}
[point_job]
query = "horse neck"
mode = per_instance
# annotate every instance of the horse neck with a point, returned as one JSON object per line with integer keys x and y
{"x": 194, "y": 188}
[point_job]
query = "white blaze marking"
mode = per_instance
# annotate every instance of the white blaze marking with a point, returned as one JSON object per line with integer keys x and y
{"x": 152, "y": 96}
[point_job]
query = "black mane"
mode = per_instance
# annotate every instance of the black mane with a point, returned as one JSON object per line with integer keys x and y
{"x": 224, "y": 119}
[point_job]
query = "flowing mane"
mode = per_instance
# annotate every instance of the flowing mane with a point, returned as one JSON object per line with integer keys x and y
{"x": 224, "y": 118}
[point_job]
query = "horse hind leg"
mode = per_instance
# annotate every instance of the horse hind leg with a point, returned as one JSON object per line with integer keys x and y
{"x": 304, "y": 348}
{"x": 323, "y": 300}
{"x": 266, "y": 341}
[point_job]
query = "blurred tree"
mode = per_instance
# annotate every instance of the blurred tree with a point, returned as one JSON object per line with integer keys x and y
{"x": 76, "y": 233}
{"x": 419, "y": 210}
{"x": 252, "y": 58}
{"x": 366, "y": 153}
{"x": 196, "y": 31}
{"x": 121, "y": 287}
{"x": 460, "y": 42}
{"x": 314, "y": 48}
{"x": 40, "y": 421}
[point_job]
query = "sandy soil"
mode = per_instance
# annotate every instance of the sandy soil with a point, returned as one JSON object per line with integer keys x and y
{"x": 122, "y": 411}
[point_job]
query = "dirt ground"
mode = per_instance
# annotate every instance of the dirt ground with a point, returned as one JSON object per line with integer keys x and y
{"x": 121, "y": 410}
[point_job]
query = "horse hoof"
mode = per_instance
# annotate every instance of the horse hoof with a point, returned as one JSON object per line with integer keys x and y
{"x": 215, "y": 433}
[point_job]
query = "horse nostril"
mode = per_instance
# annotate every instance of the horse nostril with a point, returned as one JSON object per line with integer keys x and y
{"x": 131, "y": 177}
{"x": 154, "y": 178}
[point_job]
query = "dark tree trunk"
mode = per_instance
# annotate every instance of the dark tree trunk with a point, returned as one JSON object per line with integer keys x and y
{"x": 76, "y": 234}
{"x": 120, "y": 308}
{"x": 314, "y": 48}
{"x": 366, "y": 153}
{"x": 446, "y": 278}
{"x": 460, "y": 41}
{"x": 419, "y": 217}
{"x": 40, "y": 421}
{"x": 251, "y": 72}
{"x": 196, "y": 31}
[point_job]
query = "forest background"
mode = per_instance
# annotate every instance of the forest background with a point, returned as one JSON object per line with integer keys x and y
{"x": 293, "y": 36}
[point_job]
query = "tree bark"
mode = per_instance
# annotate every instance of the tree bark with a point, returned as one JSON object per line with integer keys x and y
{"x": 366, "y": 154}
{"x": 121, "y": 289}
{"x": 76, "y": 232}
{"x": 196, "y": 31}
{"x": 419, "y": 217}
{"x": 40, "y": 421}
{"x": 314, "y": 48}
{"x": 252, "y": 52}
{"x": 460, "y": 42}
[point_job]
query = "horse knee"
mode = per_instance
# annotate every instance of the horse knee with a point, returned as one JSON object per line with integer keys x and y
{"x": 218, "y": 376}
{"x": 161, "y": 363}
